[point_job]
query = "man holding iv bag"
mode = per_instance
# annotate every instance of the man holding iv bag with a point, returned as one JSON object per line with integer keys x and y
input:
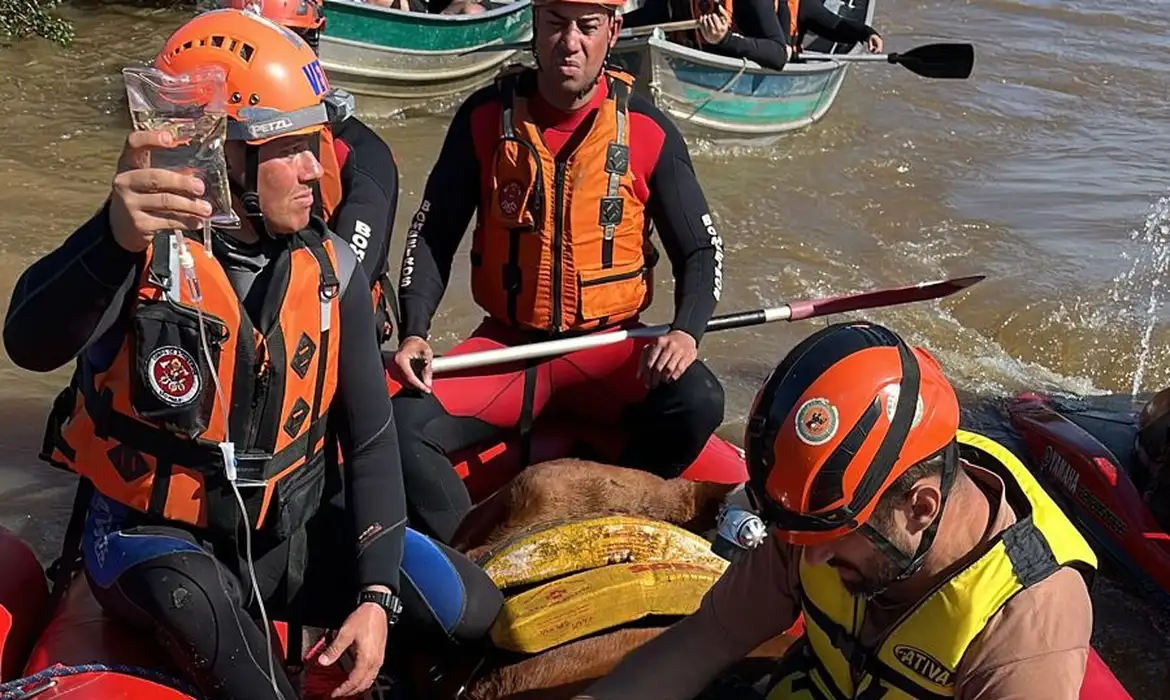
{"x": 208, "y": 362}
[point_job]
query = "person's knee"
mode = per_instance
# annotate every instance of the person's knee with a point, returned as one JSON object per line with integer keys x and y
{"x": 443, "y": 588}
{"x": 703, "y": 399}
{"x": 180, "y": 594}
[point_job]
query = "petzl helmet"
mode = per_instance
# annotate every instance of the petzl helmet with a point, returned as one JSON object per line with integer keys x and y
{"x": 275, "y": 85}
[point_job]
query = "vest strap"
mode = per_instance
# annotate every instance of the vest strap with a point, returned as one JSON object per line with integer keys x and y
{"x": 330, "y": 287}
{"x": 617, "y": 164}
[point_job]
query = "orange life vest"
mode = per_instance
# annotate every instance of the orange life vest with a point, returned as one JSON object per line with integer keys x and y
{"x": 559, "y": 245}
{"x": 146, "y": 428}
{"x": 793, "y": 28}
{"x": 698, "y": 8}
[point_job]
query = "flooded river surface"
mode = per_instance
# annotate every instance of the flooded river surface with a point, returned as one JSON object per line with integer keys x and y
{"x": 1046, "y": 170}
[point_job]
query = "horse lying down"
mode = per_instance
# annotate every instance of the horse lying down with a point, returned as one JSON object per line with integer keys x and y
{"x": 565, "y": 489}
{"x": 570, "y": 489}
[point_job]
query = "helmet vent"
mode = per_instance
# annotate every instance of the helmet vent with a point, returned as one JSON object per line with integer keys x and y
{"x": 242, "y": 49}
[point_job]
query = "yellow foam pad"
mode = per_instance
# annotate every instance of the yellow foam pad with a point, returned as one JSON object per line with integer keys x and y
{"x": 590, "y": 601}
{"x": 569, "y": 547}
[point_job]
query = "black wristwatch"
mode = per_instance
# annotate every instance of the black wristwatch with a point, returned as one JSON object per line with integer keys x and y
{"x": 387, "y": 601}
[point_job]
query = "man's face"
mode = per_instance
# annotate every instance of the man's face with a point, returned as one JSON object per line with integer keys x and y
{"x": 572, "y": 41}
{"x": 284, "y": 181}
{"x": 864, "y": 569}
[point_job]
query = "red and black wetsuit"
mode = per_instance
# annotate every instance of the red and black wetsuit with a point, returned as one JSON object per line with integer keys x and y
{"x": 670, "y": 424}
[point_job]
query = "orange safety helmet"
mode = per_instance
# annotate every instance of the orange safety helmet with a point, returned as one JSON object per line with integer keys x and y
{"x": 275, "y": 85}
{"x": 297, "y": 15}
{"x": 848, "y": 411}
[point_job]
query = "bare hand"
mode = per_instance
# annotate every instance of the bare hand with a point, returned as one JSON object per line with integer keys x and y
{"x": 146, "y": 200}
{"x": 415, "y": 350}
{"x": 715, "y": 26}
{"x": 667, "y": 358}
{"x": 365, "y": 629}
{"x": 875, "y": 44}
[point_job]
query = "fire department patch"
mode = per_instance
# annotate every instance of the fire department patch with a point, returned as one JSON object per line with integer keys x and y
{"x": 173, "y": 375}
{"x": 511, "y": 197}
{"x": 816, "y": 422}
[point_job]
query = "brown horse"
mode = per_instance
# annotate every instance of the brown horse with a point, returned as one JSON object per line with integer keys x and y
{"x": 572, "y": 488}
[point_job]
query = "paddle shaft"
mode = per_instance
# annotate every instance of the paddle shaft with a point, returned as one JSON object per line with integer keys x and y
{"x": 794, "y": 311}
{"x": 846, "y": 57}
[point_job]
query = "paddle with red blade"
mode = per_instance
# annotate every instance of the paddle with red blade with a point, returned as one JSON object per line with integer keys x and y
{"x": 953, "y": 61}
{"x": 793, "y": 311}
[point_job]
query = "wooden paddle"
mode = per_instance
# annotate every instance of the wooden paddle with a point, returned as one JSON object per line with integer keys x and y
{"x": 929, "y": 60}
{"x": 792, "y": 311}
{"x": 631, "y": 33}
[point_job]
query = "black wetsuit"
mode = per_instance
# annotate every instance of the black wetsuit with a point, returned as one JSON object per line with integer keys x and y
{"x": 176, "y": 580}
{"x": 365, "y": 217}
{"x": 816, "y": 18}
{"x": 758, "y": 33}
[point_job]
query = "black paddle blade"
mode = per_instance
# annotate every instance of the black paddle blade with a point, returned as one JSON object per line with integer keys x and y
{"x": 938, "y": 60}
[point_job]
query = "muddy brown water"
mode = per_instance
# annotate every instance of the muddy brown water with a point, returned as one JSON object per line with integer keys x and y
{"x": 1046, "y": 171}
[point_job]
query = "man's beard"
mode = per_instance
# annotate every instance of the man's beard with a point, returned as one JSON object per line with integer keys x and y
{"x": 873, "y": 583}
{"x": 882, "y": 572}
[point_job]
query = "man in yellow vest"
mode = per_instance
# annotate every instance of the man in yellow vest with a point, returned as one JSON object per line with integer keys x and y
{"x": 926, "y": 561}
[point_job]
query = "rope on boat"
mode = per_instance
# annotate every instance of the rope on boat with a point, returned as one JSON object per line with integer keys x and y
{"x": 30, "y": 686}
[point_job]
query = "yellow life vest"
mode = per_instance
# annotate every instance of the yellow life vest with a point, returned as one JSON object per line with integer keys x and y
{"x": 919, "y": 657}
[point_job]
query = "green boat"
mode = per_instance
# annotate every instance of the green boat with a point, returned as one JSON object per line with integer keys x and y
{"x": 726, "y": 97}
{"x": 404, "y": 59}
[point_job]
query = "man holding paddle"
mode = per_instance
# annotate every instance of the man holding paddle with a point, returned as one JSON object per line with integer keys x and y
{"x": 566, "y": 169}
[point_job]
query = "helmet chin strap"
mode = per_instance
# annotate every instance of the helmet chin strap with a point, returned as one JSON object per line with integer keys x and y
{"x": 910, "y": 564}
{"x": 247, "y": 193}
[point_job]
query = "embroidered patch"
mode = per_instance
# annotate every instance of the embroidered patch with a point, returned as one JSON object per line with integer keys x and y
{"x": 511, "y": 197}
{"x": 924, "y": 665}
{"x": 892, "y": 405}
{"x": 816, "y": 421}
{"x": 173, "y": 375}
